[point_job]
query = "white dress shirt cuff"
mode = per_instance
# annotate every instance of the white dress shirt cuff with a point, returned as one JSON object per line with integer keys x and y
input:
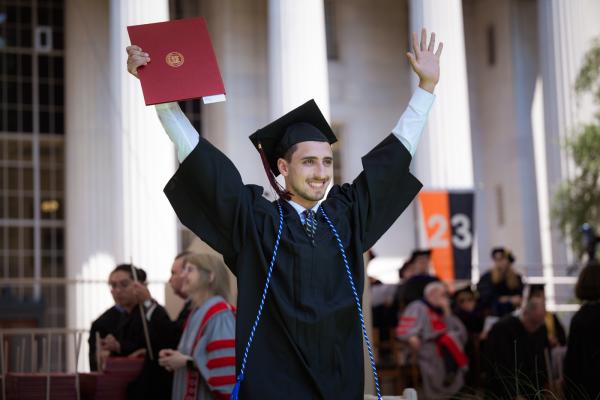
{"x": 412, "y": 122}
{"x": 179, "y": 129}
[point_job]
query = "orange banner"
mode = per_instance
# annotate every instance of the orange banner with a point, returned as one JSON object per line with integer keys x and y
{"x": 435, "y": 212}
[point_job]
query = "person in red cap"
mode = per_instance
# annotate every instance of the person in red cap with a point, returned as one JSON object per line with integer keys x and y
{"x": 298, "y": 260}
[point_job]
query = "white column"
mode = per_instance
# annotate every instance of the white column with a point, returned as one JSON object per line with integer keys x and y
{"x": 238, "y": 31}
{"x": 566, "y": 28}
{"x": 118, "y": 158}
{"x": 297, "y": 55}
{"x": 444, "y": 158}
{"x": 147, "y": 155}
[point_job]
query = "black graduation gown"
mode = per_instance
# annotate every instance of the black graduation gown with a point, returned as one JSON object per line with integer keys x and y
{"x": 154, "y": 382}
{"x": 489, "y": 294}
{"x": 182, "y": 318}
{"x": 499, "y": 360}
{"x": 309, "y": 342}
{"x": 107, "y": 323}
{"x": 415, "y": 287}
{"x": 582, "y": 362}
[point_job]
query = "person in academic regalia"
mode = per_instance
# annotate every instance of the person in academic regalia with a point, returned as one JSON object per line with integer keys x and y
{"x": 204, "y": 362}
{"x": 406, "y": 271}
{"x": 582, "y": 361}
{"x": 128, "y": 339}
{"x": 109, "y": 322}
{"x": 465, "y": 308}
{"x": 308, "y": 344}
{"x": 514, "y": 354}
{"x": 501, "y": 288}
{"x": 113, "y": 325}
{"x": 416, "y": 283}
{"x": 557, "y": 337}
{"x": 438, "y": 337}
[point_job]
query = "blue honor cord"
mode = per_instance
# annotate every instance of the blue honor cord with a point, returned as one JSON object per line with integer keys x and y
{"x": 240, "y": 377}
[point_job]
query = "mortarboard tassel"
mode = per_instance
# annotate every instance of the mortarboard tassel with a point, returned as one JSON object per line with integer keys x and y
{"x": 281, "y": 192}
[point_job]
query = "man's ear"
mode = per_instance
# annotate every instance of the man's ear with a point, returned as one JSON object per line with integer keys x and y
{"x": 283, "y": 166}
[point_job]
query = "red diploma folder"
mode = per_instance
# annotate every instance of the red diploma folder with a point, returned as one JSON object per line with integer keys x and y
{"x": 183, "y": 64}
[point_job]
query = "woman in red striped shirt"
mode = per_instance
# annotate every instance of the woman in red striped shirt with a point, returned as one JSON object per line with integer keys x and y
{"x": 204, "y": 362}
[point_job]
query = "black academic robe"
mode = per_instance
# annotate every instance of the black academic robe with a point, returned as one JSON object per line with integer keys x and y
{"x": 582, "y": 362}
{"x": 182, "y": 318}
{"x": 154, "y": 382}
{"x": 514, "y": 360}
{"x": 107, "y": 323}
{"x": 308, "y": 344}
{"x": 490, "y": 293}
{"x": 415, "y": 286}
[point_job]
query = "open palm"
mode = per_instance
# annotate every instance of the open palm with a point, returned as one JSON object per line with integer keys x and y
{"x": 424, "y": 61}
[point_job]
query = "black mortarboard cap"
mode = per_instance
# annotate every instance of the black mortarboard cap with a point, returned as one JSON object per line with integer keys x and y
{"x": 303, "y": 124}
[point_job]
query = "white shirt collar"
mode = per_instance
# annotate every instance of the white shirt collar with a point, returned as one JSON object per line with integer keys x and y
{"x": 300, "y": 209}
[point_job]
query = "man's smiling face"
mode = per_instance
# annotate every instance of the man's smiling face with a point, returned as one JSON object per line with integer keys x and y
{"x": 307, "y": 171}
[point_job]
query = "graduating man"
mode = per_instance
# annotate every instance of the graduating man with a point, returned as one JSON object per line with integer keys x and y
{"x": 308, "y": 344}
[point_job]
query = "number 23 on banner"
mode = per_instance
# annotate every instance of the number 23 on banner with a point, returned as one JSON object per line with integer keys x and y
{"x": 462, "y": 237}
{"x": 447, "y": 219}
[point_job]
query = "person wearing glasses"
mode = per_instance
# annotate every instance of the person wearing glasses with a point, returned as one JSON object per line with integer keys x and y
{"x": 120, "y": 282}
{"x": 121, "y": 332}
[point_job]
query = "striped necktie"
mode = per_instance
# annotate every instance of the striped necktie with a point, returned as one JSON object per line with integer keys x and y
{"x": 310, "y": 224}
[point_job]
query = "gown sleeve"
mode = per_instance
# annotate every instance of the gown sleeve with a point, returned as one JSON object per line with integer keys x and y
{"x": 574, "y": 362}
{"x": 92, "y": 347}
{"x": 382, "y": 191}
{"x": 386, "y": 187}
{"x": 457, "y": 330}
{"x": 209, "y": 198}
{"x": 411, "y": 322}
{"x": 217, "y": 362}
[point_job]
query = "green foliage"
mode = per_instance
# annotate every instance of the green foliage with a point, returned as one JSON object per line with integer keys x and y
{"x": 588, "y": 79}
{"x": 578, "y": 199}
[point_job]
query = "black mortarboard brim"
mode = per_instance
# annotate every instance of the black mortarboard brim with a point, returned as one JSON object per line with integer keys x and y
{"x": 303, "y": 124}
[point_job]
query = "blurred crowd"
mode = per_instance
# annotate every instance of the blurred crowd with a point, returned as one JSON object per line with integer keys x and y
{"x": 191, "y": 357}
{"x": 494, "y": 340}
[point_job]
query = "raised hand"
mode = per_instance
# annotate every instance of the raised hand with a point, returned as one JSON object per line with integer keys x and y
{"x": 424, "y": 61}
{"x": 136, "y": 58}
